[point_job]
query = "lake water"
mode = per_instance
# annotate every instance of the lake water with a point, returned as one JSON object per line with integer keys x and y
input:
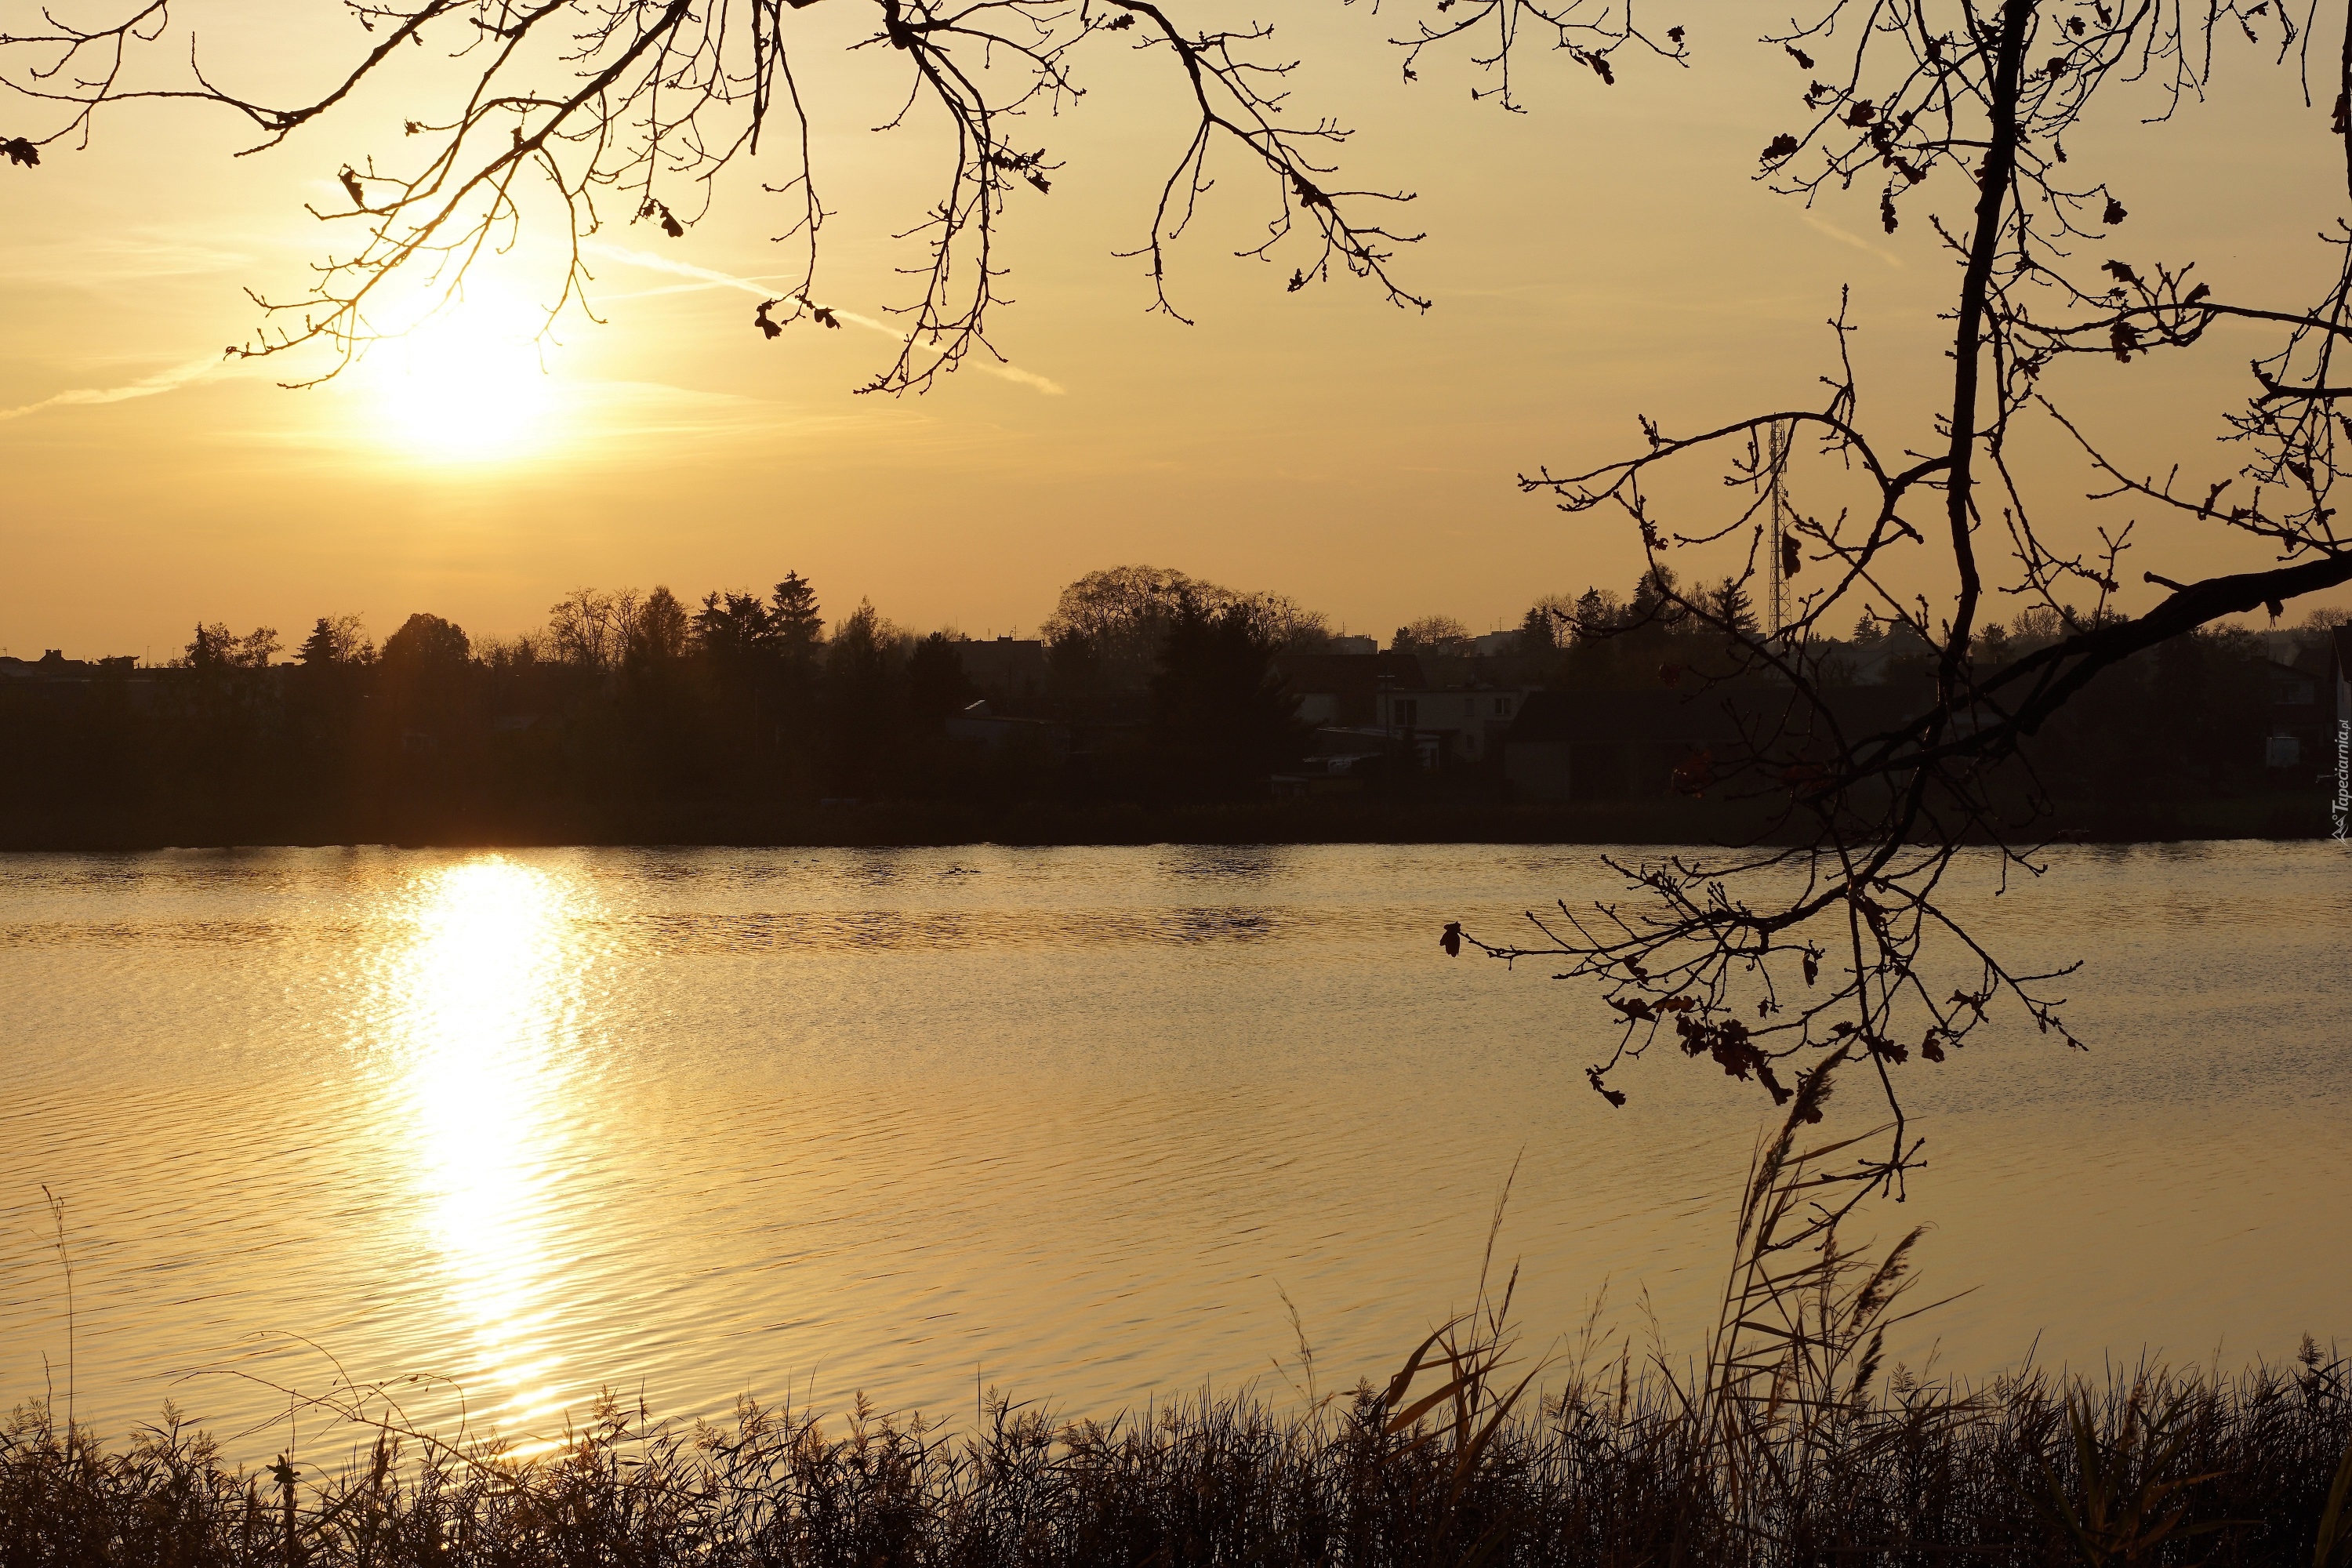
{"x": 697, "y": 1124}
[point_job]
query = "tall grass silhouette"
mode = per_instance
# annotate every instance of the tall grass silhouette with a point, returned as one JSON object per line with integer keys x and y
{"x": 1789, "y": 1443}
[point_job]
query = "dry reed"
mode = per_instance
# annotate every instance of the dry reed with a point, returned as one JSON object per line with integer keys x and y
{"x": 1789, "y": 1446}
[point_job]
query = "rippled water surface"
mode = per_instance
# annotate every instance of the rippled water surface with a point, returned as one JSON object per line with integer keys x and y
{"x": 694, "y": 1125}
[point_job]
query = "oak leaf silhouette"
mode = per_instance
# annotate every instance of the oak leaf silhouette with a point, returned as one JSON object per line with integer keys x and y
{"x": 1451, "y": 941}
{"x": 21, "y": 153}
{"x": 2115, "y": 212}
{"x": 1781, "y": 147}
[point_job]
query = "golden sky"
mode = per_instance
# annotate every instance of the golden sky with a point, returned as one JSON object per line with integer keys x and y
{"x": 1606, "y": 253}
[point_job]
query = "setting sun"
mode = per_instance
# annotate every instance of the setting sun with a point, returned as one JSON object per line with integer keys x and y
{"x": 468, "y": 386}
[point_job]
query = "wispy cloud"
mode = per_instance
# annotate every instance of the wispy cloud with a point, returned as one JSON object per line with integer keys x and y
{"x": 164, "y": 381}
{"x": 90, "y": 261}
{"x": 715, "y": 280}
{"x": 1823, "y": 225}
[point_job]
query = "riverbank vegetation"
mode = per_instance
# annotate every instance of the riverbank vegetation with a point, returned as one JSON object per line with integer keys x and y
{"x": 1792, "y": 1440}
{"x": 1155, "y": 707}
{"x": 2148, "y": 1469}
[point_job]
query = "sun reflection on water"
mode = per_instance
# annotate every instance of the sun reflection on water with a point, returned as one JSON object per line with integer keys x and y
{"x": 486, "y": 987}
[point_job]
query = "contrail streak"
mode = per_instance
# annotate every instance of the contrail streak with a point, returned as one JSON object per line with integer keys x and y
{"x": 1823, "y": 225}
{"x": 148, "y": 386}
{"x": 716, "y": 279}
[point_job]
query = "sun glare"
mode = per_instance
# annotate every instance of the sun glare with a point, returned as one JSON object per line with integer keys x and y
{"x": 483, "y": 995}
{"x": 467, "y": 386}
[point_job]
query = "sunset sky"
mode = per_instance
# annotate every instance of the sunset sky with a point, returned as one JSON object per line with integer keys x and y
{"x": 1605, "y": 254}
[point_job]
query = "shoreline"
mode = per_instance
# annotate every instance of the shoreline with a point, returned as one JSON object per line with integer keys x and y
{"x": 2285, "y": 816}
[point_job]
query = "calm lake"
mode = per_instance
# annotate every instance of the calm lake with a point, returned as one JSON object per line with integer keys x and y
{"x": 700, "y": 1123}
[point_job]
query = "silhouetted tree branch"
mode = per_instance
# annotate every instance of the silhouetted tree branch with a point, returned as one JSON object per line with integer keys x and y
{"x": 663, "y": 97}
{"x": 1828, "y": 935}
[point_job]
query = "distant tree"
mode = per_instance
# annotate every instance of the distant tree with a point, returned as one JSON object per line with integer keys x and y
{"x": 734, "y": 630}
{"x": 1439, "y": 635}
{"x": 215, "y": 647}
{"x": 257, "y": 648}
{"x": 426, "y": 674}
{"x": 2326, "y": 617}
{"x": 1598, "y": 612}
{"x": 513, "y": 654}
{"x": 1122, "y": 614}
{"x": 1218, "y": 707}
{"x": 796, "y": 624}
{"x": 1548, "y": 625}
{"x": 1657, "y": 602}
{"x": 1286, "y": 626}
{"x": 937, "y": 686}
{"x": 2042, "y": 624}
{"x": 336, "y": 641}
{"x": 861, "y": 698}
{"x": 663, "y": 631}
{"x": 426, "y": 643}
{"x": 1730, "y": 604}
{"x": 589, "y": 630}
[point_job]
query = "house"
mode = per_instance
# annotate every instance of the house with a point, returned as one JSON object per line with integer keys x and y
{"x": 2301, "y": 706}
{"x": 57, "y": 681}
{"x": 1469, "y": 721}
{"x": 54, "y": 665}
{"x": 1353, "y": 646}
{"x": 1342, "y": 689}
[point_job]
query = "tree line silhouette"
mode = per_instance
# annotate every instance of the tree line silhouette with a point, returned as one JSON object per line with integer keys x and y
{"x": 748, "y": 715}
